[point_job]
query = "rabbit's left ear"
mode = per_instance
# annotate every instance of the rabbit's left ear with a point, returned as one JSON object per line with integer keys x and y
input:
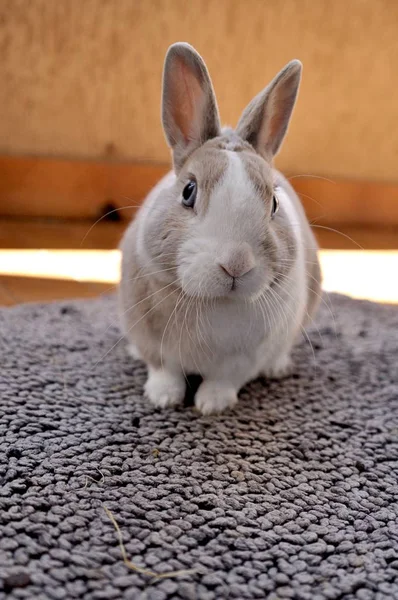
{"x": 189, "y": 107}
{"x": 265, "y": 120}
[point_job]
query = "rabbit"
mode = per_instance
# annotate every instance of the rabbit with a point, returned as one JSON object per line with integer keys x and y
{"x": 220, "y": 268}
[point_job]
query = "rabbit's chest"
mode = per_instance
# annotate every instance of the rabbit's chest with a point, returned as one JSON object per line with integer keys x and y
{"x": 212, "y": 332}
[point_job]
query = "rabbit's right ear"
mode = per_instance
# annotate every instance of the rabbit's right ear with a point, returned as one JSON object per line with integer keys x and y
{"x": 265, "y": 120}
{"x": 189, "y": 108}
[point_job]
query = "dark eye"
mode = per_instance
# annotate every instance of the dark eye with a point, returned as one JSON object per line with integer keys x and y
{"x": 189, "y": 194}
{"x": 275, "y": 205}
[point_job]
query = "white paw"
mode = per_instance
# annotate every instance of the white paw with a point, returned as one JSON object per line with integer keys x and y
{"x": 213, "y": 398}
{"x": 164, "y": 389}
{"x": 134, "y": 352}
{"x": 281, "y": 368}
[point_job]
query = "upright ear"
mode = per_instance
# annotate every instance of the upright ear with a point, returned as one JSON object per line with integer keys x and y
{"x": 265, "y": 120}
{"x": 189, "y": 108}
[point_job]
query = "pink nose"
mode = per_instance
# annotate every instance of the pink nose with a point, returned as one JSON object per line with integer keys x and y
{"x": 239, "y": 262}
{"x": 234, "y": 272}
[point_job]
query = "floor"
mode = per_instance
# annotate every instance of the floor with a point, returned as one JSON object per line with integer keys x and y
{"x": 49, "y": 260}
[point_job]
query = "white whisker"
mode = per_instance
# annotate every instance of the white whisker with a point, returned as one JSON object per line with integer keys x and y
{"x": 130, "y": 328}
{"x": 312, "y": 176}
{"x": 301, "y": 327}
{"x": 181, "y": 294}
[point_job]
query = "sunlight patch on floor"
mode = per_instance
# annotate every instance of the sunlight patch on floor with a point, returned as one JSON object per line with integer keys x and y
{"x": 370, "y": 275}
{"x": 98, "y": 266}
{"x": 360, "y": 274}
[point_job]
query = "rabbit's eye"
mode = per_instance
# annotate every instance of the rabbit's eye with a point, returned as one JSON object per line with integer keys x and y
{"x": 275, "y": 205}
{"x": 189, "y": 194}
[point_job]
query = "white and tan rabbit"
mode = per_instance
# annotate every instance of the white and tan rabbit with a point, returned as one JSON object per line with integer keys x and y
{"x": 219, "y": 268}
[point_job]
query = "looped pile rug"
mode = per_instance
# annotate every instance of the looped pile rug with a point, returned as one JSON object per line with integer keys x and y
{"x": 293, "y": 494}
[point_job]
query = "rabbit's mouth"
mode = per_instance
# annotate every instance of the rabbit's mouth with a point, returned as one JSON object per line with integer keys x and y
{"x": 214, "y": 282}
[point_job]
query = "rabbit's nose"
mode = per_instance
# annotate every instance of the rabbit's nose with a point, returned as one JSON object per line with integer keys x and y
{"x": 238, "y": 262}
{"x": 234, "y": 272}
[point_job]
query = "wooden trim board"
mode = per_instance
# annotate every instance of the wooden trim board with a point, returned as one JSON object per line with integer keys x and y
{"x": 83, "y": 189}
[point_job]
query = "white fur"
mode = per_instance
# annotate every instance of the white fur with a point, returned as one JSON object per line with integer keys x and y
{"x": 134, "y": 352}
{"x": 235, "y": 206}
{"x": 142, "y": 216}
{"x": 214, "y": 397}
{"x": 164, "y": 388}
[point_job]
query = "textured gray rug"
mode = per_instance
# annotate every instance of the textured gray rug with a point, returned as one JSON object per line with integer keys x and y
{"x": 294, "y": 494}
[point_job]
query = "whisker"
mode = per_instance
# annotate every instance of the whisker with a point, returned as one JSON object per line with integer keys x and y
{"x": 310, "y": 198}
{"x": 264, "y": 314}
{"x": 179, "y": 352}
{"x": 320, "y": 296}
{"x": 340, "y": 233}
{"x": 130, "y": 328}
{"x": 164, "y": 331}
{"x": 197, "y": 319}
{"x": 208, "y": 311}
{"x": 328, "y": 229}
{"x": 201, "y": 305}
{"x": 131, "y": 279}
{"x": 269, "y": 306}
{"x": 146, "y": 298}
{"x": 313, "y": 177}
{"x": 279, "y": 311}
{"x": 104, "y": 217}
{"x": 301, "y": 327}
{"x": 306, "y": 312}
{"x": 294, "y": 260}
{"x": 184, "y": 324}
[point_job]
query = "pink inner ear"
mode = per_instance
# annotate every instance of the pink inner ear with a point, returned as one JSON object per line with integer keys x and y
{"x": 186, "y": 100}
{"x": 279, "y": 110}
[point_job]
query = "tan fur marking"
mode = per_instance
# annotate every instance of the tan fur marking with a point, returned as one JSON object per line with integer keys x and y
{"x": 314, "y": 289}
{"x": 144, "y": 295}
{"x": 208, "y": 165}
{"x": 259, "y": 173}
{"x": 280, "y": 244}
{"x": 230, "y": 141}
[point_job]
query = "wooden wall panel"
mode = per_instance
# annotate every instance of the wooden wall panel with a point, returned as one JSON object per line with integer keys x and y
{"x": 82, "y": 78}
{"x": 84, "y": 189}
{"x": 87, "y": 189}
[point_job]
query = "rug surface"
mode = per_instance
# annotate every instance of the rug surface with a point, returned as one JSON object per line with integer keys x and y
{"x": 293, "y": 494}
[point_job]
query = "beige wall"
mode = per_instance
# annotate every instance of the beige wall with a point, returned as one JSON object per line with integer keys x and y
{"x": 81, "y": 78}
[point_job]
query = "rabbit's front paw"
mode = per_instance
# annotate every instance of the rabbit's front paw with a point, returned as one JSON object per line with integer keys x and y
{"x": 164, "y": 389}
{"x": 133, "y": 351}
{"x": 282, "y": 367}
{"x": 213, "y": 398}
